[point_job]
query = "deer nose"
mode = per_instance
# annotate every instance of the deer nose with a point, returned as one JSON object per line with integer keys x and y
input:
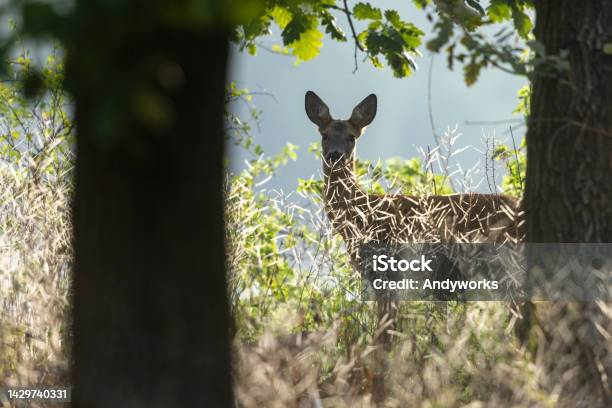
{"x": 333, "y": 157}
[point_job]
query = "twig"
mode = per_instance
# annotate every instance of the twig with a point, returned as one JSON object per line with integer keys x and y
{"x": 357, "y": 44}
{"x": 429, "y": 108}
{"x": 491, "y": 122}
{"x": 518, "y": 163}
{"x": 502, "y": 68}
{"x": 273, "y": 51}
{"x": 493, "y": 164}
{"x": 433, "y": 176}
{"x": 436, "y": 136}
{"x": 486, "y": 157}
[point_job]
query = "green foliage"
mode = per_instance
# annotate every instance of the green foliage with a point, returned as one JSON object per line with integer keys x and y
{"x": 514, "y": 157}
{"x": 421, "y": 3}
{"x": 467, "y": 14}
{"x": 481, "y": 54}
{"x": 475, "y": 50}
{"x": 443, "y": 30}
{"x": 386, "y": 35}
{"x": 408, "y": 177}
{"x": 390, "y": 37}
{"x": 499, "y": 11}
{"x": 36, "y": 129}
{"x": 299, "y": 24}
{"x": 404, "y": 176}
{"x": 502, "y": 10}
{"x": 521, "y": 20}
{"x": 270, "y": 284}
{"x": 515, "y": 161}
{"x": 476, "y": 6}
{"x": 524, "y": 101}
{"x": 300, "y": 32}
{"x": 365, "y": 11}
{"x": 237, "y": 129}
{"x": 332, "y": 28}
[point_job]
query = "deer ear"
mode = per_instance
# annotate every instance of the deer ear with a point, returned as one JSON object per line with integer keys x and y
{"x": 317, "y": 110}
{"x": 364, "y": 113}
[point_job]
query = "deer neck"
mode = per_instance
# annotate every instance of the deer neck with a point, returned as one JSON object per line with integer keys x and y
{"x": 341, "y": 184}
{"x": 342, "y": 197}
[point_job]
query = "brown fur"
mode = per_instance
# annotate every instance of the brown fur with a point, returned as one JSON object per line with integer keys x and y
{"x": 391, "y": 219}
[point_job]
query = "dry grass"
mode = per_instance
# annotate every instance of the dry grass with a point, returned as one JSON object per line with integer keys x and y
{"x": 35, "y": 256}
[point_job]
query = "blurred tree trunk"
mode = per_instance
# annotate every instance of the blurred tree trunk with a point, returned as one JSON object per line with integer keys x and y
{"x": 151, "y": 316}
{"x": 568, "y": 196}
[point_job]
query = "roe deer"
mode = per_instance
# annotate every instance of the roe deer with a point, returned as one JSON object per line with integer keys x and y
{"x": 362, "y": 218}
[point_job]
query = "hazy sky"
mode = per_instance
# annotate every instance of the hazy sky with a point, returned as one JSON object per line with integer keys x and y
{"x": 402, "y": 121}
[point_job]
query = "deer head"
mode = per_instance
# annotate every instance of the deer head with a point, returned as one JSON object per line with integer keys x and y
{"x": 338, "y": 136}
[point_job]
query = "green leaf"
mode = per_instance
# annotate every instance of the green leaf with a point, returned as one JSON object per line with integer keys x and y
{"x": 395, "y": 40}
{"x": 471, "y": 72}
{"x": 299, "y": 24}
{"x": 522, "y": 22}
{"x": 279, "y": 49}
{"x": 444, "y": 28}
{"x": 255, "y": 28}
{"x": 381, "y": 42}
{"x": 375, "y": 25}
{"x": 421, "y": 3}
{"x": 308, "y": 45}
{"x": 450, "y": 58}
{"x": 412, "y": 39}
{"x": 393, "y": 17}
{"x": 498, "y": 11}
{"x": 365, "y": 11}
{"x": 331, "y": 28}
{"x": 376, "y": 62}
{"x": 281, "y": 16}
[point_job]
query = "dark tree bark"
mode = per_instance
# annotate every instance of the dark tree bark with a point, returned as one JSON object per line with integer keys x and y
{"x": 569, "y": 143}
{"x": 568, "y": 196}
{"x": 151, "y": 316}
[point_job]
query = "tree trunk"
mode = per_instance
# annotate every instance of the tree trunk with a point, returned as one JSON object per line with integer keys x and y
{"x": 569, "y": 174}
{"x": 568, "y": 195}
{"x": 151, "y": 316}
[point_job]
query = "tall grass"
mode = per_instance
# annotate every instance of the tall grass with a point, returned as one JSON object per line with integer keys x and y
{"x": 35, "y": 233}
